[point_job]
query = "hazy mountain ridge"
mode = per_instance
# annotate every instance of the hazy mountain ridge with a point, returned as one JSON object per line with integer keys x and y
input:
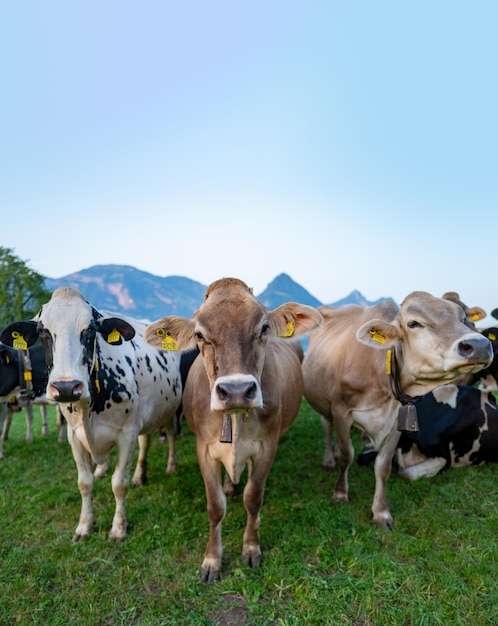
{"x": 125, "y": 289}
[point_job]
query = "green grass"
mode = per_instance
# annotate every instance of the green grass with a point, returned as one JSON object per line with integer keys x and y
{"x": 323, "y": 563}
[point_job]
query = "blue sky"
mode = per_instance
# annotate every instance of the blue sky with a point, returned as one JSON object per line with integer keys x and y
{"x": 350, "y": 145}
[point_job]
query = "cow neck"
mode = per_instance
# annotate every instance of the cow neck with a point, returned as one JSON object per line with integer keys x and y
{"x": 407, "y": 414}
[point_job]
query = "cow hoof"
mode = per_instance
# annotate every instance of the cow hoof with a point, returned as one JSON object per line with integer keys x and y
{"x": 139, "y": 482}
{"x": 80, "y": 537}
{"x": 171, "y": 469}
{"x": 384, "y": 523}
{"x": 367, "y": 457}
{"x": 210, "y": 569}
{"x": 340, "y": 497}
{"x": 209, "y": 575}
{"x": 251, "y": 556}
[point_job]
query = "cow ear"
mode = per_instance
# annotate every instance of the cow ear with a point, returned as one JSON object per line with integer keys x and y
{"x": 21, "y": 335}
{"x": 171, "y": 333}
{"x": 114, "y": 330}
{"x": 494, "y": 313}
{"x": 475, "y": 314}
{"x": 377, "y": 334}
{"x": 292, "y": 320}
{"x": 491, "y": 334}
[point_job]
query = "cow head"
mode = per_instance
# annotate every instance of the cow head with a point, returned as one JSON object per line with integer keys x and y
{"x": 433, "y": 341}
{"x": 231, "y": 330}
{"x": 67, "y": 326}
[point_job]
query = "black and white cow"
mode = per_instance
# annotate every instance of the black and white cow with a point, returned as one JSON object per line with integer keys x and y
{"x": 487, "y": 378}
{"x": 23, "y": 381}
{"x": 458, "y": 427}
{"x": 112, "y": 388}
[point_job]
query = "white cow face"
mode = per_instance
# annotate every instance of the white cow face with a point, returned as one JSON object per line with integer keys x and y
{"x": 68, "y": 326}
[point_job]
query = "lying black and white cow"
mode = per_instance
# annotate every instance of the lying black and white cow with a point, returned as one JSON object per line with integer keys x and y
{"x": 112, "y": 387}
{"x": 458, "y": 427}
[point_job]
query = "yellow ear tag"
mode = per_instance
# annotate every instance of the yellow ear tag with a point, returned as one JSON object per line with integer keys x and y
{"x": 377, "y": 336}
{"x": 96, "y": 368}
{"x": 28, "y": 376}
{"x": 114, "y": 336}
{"x": 388, "y": 362}
{"x": 19, "y": 341}
{"x": 289, "y": 330}
{"x": 168, "y": 343}
{"x": 492, "y": 337}
{"x": 476, "y": 317}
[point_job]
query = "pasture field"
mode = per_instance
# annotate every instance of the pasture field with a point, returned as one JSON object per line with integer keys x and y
{"x": 323, "y": 563}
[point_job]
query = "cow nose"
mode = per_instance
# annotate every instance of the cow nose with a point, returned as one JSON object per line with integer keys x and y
{"x": 66, "y": 390}
{"x": 237, "y": 394}
{"x": 479, "y": 349}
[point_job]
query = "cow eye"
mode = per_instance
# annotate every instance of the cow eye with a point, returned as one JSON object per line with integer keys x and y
{"x": 414, "y": 324}
{"x": 199, "y": 336}
{"x": 89, "y": 333}
{"x": 264, "y": 330}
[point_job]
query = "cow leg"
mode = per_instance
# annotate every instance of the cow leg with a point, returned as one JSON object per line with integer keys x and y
{"x": 140, "y": 475}
{"x": 3, "y": 415}
{"x": 228, "y": 486}
{"x": 7, "y": 422}
{"x": 328, "y": 456}
{"x": 425, "y": 469}
{"x": 253, "y": 501}
{"x": 383, "y": 463}
{"x": 61, "y": 426}
{"x": 216, "y": 507}
{"x": 343, "y": 453}
{"x": 43, "y": 412}
{"x": 101, "y": 470}
{"x": 171, "y": 436}
{"x": 120, "y": 481}
{"x": 29, "y": 423}
{"x": 84, "y": 464}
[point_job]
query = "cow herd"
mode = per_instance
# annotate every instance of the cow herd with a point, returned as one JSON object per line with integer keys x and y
{"x": 238, "y": 373}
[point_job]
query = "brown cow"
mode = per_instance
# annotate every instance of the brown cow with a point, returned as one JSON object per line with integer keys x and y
{"x": 421, "y": 345}
{"x": 242, "y": 393}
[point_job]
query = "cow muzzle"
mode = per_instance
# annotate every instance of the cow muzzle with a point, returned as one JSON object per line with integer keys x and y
{"x": 236, "y": 394}
{"x": 65, "y": 390}
{"x": 476, "y": 350}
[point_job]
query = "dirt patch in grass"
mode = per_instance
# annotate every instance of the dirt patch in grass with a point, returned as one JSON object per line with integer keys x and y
{"x": 232, "y": 611}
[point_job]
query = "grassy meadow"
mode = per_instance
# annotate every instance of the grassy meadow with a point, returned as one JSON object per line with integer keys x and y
{"x": 323, "y": 563}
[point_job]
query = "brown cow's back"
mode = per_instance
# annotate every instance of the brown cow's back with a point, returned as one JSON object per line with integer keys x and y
{"x": 328, "y": 381}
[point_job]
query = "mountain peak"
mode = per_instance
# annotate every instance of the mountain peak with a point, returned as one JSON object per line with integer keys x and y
{"x": 126, "y": 289}
{"x": 283, "y": 289}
